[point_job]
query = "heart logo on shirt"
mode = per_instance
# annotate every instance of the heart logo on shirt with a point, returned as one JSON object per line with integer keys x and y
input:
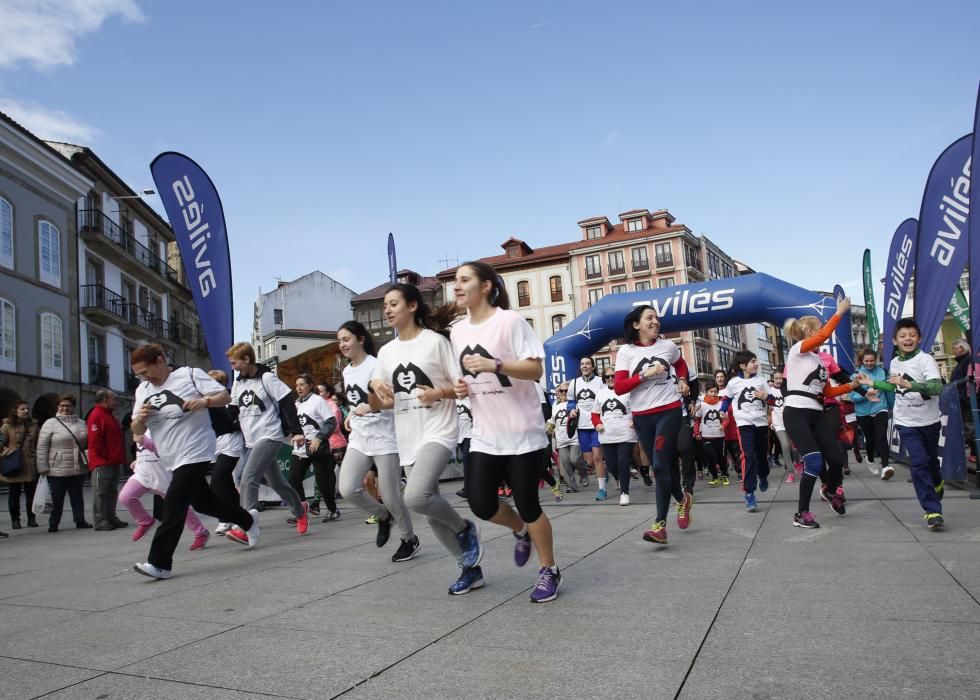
{"x": 249, "y": 399}
{"x": 747, "y": 396}
{"x": 480, "y": 351}
{"x": 407, "y": 377}
{"x": 163, "y": 399}
{"x": 614, "y": 407}
{"x": 356, "y": 395}
{"x": 649, "y": 362}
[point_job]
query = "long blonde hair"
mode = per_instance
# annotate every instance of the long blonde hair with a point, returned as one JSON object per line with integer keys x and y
{"x": 795, "y": 328}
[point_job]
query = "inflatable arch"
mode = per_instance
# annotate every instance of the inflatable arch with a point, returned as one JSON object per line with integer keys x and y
{"x": 732, "y": 301}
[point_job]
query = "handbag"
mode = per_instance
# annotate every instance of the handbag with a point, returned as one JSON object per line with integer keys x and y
{"x": 82, "y": 454}
{"x": 12, "y": 464}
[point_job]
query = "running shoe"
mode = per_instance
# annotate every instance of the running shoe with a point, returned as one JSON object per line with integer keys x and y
{"x": 556, "y": 492}
{"x": 763, "y": 485}
{"x": 647, "y": 481}
{"x": 500, "y": 492}
{"x": 837, "y": 502}
{"x": 584, "y": 481}
{"x": 941, "y": 489}
{"x": 547, "y": 585}
{"x": 546, "y": 588}
{"x": 738, "y": 477}
{"x": 657, "y": 532}
{"x": 600, "y": 495}
{"x": 250, "y": 538}
{"x": 147, "y": 569}
{"x": 624, "y": 499}
{"x": 887, "y": 473}
{"x": 684, "y": 511}
{"x": 847, "y": 470}
{"x": 470, "y": 545}
{"x": 700, "y": 476}
{"x": 570, "y": 485}
{"x": 384, "y": 530}
{"x": 874, "y": 468}
{"x": 142, "y": 529}
{"x": 200, "y": 540}
{"x": 725, "y": 481}
{"x": 934, "y": 521}
{"x": 222, "y": 529}
{"x": 750, "y": 505}
{"x": 805, "y": 520}
{"x": 303, "y": 521}
{"x": 508, "y": 492}
{"x": 469, "y": 579}
{"x": 714, "y": 481}
{"x": 825, "y": 495}
{"x": 407, "y": 550}
{"x": 634, "y": 474}
{"x": 371, "y": 520}
{"x": 790, "y": 477}
{"x": 522, "y": 548}
{"x": 461, "y": 493}
{"x": 331, "y": 516}
{"x": 314, "y": 508}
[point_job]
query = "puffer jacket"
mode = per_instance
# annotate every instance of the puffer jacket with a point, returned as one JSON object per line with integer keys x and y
{"x": 20, "y": 434}
{"x": 57, "y": 451}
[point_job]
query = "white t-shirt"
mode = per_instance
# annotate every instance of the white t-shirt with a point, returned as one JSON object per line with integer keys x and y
{"x": 710, "y": 417}
{"x": 559, "y": 419}
{"x": 912, "y": 408}
{"x": 258, "y": 410}
{"x": 777, "y": 408}
{"x": 615, "y": 416}
{"x": 231, "y": 444}
{"x": 805, "y": 379}
{"x": 149, "y": 471}
{"x": 372, "y": 434}
{"x": 313, "y": 413}
{"x": 662, "y": 389}
{"x": 464, "y": 415}
{"x": 181, "y": 437}
{"x": 425, "y": 360}
{"x": 746, "y": 407}
{"x": 583, "y": 393}
{"x": 507, "y": 418}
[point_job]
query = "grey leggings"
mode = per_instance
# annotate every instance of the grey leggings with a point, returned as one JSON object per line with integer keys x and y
{"x": 352, "y": 471}
{"x": 259, "y": 461}
{"x": 786, "y": 448}
{"x": 422, "y": 495}
{"x": 571, "y": 460}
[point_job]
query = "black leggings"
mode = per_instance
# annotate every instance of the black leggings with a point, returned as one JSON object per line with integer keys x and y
{"x": 685, "y": 446}
{"x": 323, "y": 472}
{"x": 875, "y": 429}
{"x": 617, "y": 457}
{"x": 811, "y": 430}
{"x": 658, "y": 437}
{"x": 714, "y": 455}
{"x": 223, "y": 479}
{"x": 485, "y": 472}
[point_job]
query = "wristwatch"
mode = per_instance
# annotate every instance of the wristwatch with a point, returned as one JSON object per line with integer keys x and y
{"x": 498, "y": 365}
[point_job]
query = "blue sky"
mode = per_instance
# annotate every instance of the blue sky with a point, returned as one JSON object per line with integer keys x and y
{"x": 792, "y": 135}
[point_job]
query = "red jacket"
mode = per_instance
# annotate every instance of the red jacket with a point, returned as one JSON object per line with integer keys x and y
{"x": 105, "y": 439}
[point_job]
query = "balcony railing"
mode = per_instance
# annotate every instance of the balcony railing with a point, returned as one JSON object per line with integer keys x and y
{"x": 98, "y": 375}
{"x": 147, "y": 320}
{"x": 593, "y": 274}
{"x": 96, "y": 296}
{"x": 93, "y": 220}
{"x": 641, "y": 265}
{"x": 181, "y": 333}
{"x": 617, "y": 270}
{"x": 665, "y": 261}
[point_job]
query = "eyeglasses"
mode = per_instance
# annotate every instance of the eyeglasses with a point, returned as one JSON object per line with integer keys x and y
{"x": 65, "y": 406}
{"x": 607, "y": 377}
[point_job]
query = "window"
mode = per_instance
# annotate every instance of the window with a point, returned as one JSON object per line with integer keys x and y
{"x": 725, "y": 358}
{"x": 664, "y": 257}
{"x": 8, "y": 336}
{"x": 640, "y": 261}
{"x": 727, "y": 269}
{"x": 762, "y": 332}
{"x": 556, "y": 292}
{"x": 523, "y": 294}
{"x": 557, "y": 322}
{"x": 601, "y": 364}
{"x": 593, "y": 232}
{"x": 52, "y": 348}
{"x": 691, "y": 257}
{"x": 618, "y": 289}
{"x": 714, "y": 264}
{"x": 616, "y": 266}
{"x": 642, "y": 286}
{"x": 634, "y": 225}
{"x": 49, "y": 247}
{"x": 594, "y": 296}
{"x": 6, "y": 234}
{"x": 702, "y": 360}
{"x": 277, "y": 317}
{"x": 665, "y": 282}
{"x": 593, "y": 268}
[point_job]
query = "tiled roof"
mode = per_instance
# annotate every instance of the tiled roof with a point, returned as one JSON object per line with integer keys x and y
{"x": 503, "y": 262}
{"x": 426, "y": 284}
{"x": 618, "y": 234}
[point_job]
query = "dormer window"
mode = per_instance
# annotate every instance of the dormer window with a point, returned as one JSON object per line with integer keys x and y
{"x": 513, "y": 251}
{"x": 593, "y": 232}
{"x": 634, "y": 225}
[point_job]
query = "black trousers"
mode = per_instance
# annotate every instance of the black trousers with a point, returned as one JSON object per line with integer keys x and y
{"x": 71, "y": 485}
{"x": 875, "y": 429}
{"x": 189, "y": 488}
{"x": 223, "y": 480}
{"x": 13, "y": 497}
{"x": 323, "y": 472}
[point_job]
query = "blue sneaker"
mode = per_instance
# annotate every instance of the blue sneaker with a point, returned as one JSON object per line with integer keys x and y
{"x": 469, "y": 542}
{"x": 470, "y": 578}
{"x": 548, "y": 583}
{"x": 522, "y": 548}
{"x": 763, "y": 485}
{"x": 600, "y": 495}
{"x": 750, "y": 504}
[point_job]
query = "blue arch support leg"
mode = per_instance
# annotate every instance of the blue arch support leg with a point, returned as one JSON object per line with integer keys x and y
{"x": 725, "y": 302}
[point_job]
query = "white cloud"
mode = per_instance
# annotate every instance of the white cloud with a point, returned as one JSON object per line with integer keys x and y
{"x": 51, "y": 125}
{"x": 43, "y": 33}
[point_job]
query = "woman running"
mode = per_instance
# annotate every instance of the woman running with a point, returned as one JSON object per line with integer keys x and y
{"x": 650, "y": 369}
{"x": 318, "y": 422}
{"x": 501, "y": 357}
{"x": 613, "y": 420}
{"x": 372, "y": 439}
{"x": 414, "y": 375}
{"x": 805, "y": 385}
{"x": 708, "y": 429}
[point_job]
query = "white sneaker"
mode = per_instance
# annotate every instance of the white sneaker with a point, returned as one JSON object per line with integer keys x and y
{"x": 875, "y": 469}
{"x": 253, "y": 532}
{"x": 624, "y": 499}
{"x": 147, "y": 569}
{"x": 222, "y": 528}
{"x": 887, "y": 473}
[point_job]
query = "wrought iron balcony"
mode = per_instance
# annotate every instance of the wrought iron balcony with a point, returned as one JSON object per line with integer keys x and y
{"x": 98, "y": 375}
{"x": 102, "y": 302}
{"x": 94, "y": 223}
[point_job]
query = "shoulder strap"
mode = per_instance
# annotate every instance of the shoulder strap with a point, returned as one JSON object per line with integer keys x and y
{"x": 272, "y": 398}
{"x": 72, "y": 433}
{"x": 190, "y": 375}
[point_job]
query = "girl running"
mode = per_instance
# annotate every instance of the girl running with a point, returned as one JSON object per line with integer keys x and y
{"x": 650, "y": 369}
{"x": 501, "y": 357}
{"x": 779, "y": 427}
{"x": 805, "y": 385}
{"x": 569, "y": 453}
{"x": 747, "y": 393}
{"x": 708, "y": 428}
{"x": 613, "y": 420}
{"x": 371, "y": 440}
{"x": 318, "y": 422}
{"x": 414, "y": 375}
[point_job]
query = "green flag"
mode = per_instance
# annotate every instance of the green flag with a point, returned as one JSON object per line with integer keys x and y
{"x": 869, "y": 302}
{"x": 960, "y": 310}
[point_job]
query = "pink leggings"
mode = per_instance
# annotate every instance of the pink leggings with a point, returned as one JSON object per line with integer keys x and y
{"x": 130, "y": 497}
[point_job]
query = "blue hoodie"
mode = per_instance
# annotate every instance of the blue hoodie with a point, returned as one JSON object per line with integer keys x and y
{"x": 864, "y": 406}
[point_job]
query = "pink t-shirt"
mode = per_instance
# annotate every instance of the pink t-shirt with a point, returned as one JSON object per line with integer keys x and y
{"x": 337, "y": 439}
{"x": 507, "y": 418}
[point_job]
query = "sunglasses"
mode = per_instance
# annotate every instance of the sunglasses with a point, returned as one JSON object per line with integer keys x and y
{"x": 607, "y": 377}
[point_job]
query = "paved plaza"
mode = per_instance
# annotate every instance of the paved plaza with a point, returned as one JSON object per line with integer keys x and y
{"x": 740, "y": 606}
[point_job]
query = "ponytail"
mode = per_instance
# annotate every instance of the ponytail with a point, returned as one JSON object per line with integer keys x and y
{"x": 438, "y": 320}
{"x": 795, "y": 328}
